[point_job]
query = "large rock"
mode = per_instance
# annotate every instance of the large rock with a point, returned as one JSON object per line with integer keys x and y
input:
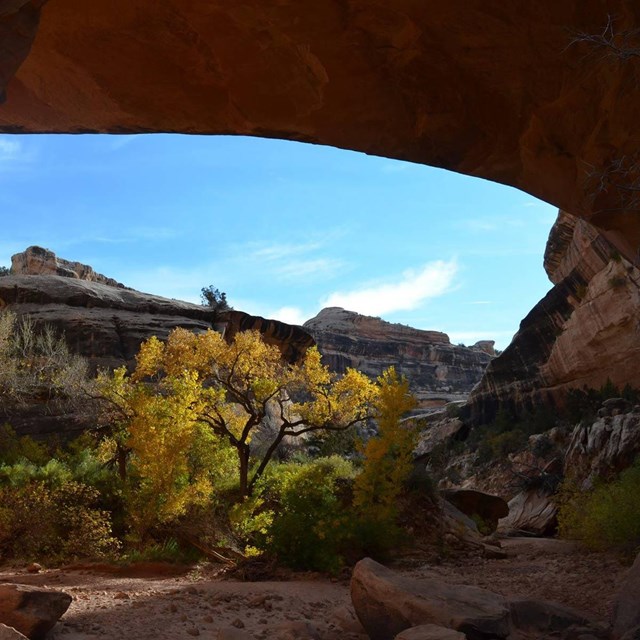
{"x": 539, "y": 616}
{"x": 391, "y": 606}
{"x": 626, "y": 609}
{"x": 387, "y": 604}
{"x": 582, "y": 333}
{"x": 36, "y": 261}
{"x": 430, "y": 632}
{"x": 32, "y": 611}
{"x": 603, "y": 448}
{"x": 531, "y": 512}
{"x": 483, "y": 87}
{"x": 9, "y": 633}
{"x": 438, "y": 371}
{"x": 487, "y": 507}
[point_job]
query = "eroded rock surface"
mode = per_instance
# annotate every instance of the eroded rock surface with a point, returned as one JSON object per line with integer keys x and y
{"x": 603, "y": 448}
{"x": 388, "y": 603}
{"x": 9, "y": 633}
{"x": 583, "y": 332}
{"x": 505, "y": 92}
{"x": 37, "y": 261}
{"x": 32, "y": 611}
{"x": 107, "y": 325}
{"x": 437, "y": 370}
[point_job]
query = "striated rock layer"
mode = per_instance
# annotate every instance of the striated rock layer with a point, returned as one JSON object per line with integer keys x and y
{"x": 506, "y": 91}
{"x": 437, "y": 370}
{"x": 107, "y": 324}
{"x": 583, "y": 332}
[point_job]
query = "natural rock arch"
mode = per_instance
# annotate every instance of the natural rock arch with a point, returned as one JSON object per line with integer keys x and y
{"x": 483, "y": 87}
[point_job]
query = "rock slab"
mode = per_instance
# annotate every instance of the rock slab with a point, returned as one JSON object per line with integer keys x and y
{"x": 430, "y": 632}
{"x": 387, "y": 604}
{"x": 32, "y": 611}
{"x": 626, "y": 612}
{"x": 9, "y": 633}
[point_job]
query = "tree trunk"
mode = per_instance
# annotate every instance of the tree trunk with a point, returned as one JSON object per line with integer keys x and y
{"x": 243, "y": 458}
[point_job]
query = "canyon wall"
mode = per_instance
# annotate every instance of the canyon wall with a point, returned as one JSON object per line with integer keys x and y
{"x": 583, "y": 332}
{"x": 438, "y": 371}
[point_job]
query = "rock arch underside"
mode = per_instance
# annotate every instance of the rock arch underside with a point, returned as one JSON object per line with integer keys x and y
{"x": 543, "y": 95}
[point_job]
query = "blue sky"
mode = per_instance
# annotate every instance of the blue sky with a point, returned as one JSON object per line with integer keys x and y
{"x": 283, "y": 228}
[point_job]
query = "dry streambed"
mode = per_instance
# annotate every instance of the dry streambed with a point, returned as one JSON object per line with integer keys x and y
{"x": 157, "y": 602}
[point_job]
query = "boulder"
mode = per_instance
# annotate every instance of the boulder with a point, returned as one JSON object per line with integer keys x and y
{"x": 531, "y": 512}
{"x": 9, "y": 633}
{"x": 33, "y": 611}
{"x": 430, "y": 632}
{"x": 487, "y": 507}
{"x": 626, "y": 608}
{"x": 603, "y": 448}
{"x": 545, "y": 617}
{"x": 387, "y": 604}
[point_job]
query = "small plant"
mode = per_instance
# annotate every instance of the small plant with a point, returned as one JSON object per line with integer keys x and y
{"x": 615, "y": 282}
{"x": 5, "y": 271}
{"x": 608, "y": 517}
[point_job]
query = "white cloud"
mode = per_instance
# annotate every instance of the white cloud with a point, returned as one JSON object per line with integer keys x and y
{"x": 290, "y": 315}
{"x": 290, "y": 262}
{"x": 502, "y": 338}
{"x": 409, "y": 292}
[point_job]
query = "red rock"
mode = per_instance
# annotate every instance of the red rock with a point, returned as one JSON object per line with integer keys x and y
{"x": 483, "y": 87}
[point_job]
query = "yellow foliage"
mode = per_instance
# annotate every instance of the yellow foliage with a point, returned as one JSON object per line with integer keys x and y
{"x": 387, "y": 457}
{"x": 231, "y": 387}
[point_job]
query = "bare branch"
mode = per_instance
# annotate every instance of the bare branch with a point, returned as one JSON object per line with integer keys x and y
{"x": 611, "y": 44}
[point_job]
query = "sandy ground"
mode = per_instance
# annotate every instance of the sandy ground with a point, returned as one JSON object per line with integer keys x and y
{"x": 159, "y": 602}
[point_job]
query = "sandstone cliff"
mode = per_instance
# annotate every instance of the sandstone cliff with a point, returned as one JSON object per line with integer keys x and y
{"x": 437, "y": 370}
{"x": 505, "y": 91}
{"x": 36, "y": 261}
{"x": 584, "y": 331}
{"x": 107, "y": 324}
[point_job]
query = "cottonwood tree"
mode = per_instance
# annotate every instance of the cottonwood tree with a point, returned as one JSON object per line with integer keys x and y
{"x": 232, "y": 387}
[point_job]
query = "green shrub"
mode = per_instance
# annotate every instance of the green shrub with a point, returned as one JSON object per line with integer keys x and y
{"x": 14, "y": 448}
{"x": 310, "y": 518}
{"x": 608, "y": 517}
{"x": 44, "y": 520}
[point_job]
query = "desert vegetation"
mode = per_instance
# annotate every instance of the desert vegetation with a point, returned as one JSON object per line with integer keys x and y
{"x": 205, "y": 448}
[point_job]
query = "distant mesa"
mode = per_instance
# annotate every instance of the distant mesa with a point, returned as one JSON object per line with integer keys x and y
{"x": 37, "y": 261}
{"x": 438, "y": 371}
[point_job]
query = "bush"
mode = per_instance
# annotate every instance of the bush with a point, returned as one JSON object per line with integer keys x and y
{"x": 41, "y": 520}
{"x": 608, "y": 517}
{"x": 310, "y": 517}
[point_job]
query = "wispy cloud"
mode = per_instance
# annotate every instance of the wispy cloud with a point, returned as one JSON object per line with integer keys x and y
{"x": 9, "y": 149}
{"x": 124, "y": 140}
{"x": 13, "y": 153}
{"x": 412, "y": 289}
{"x": 292, "y": 262}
